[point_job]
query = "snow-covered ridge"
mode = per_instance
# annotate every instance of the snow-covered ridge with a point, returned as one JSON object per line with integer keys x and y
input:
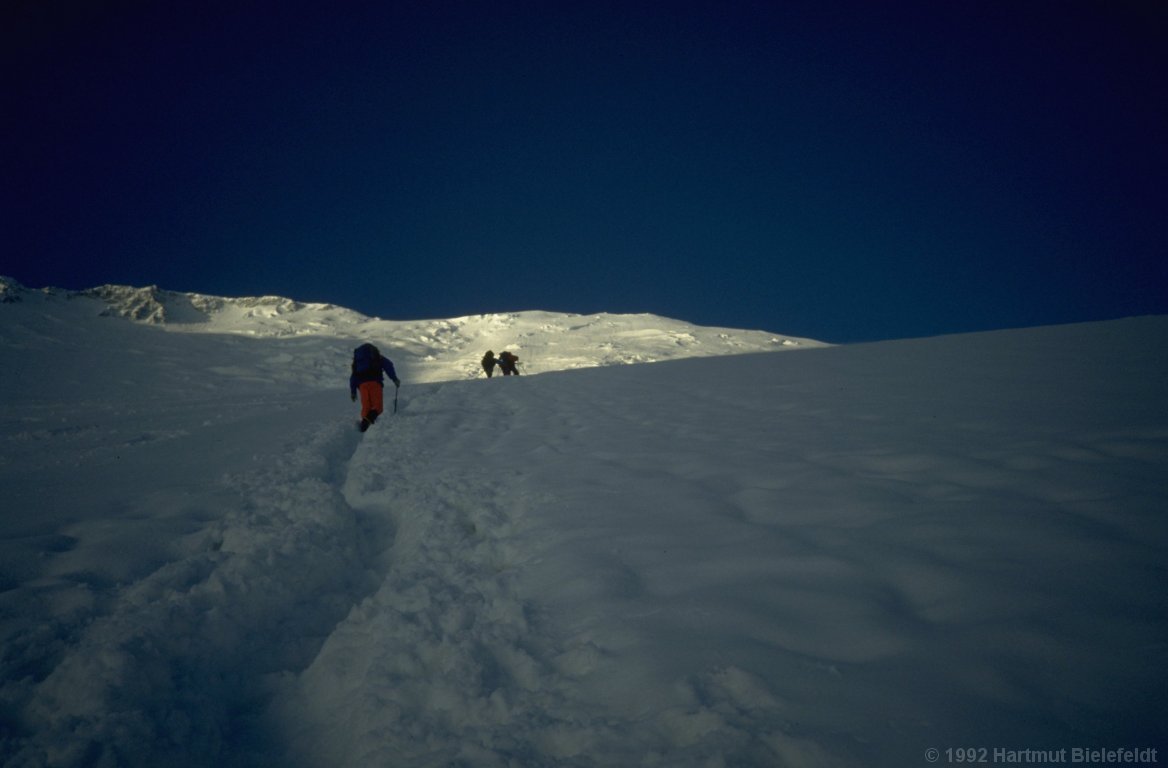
{"x": 154, "y": 305}
{"x": 434, "y": 350}
{"x": 177, "y": 310}
{"x": 10, "y": 290}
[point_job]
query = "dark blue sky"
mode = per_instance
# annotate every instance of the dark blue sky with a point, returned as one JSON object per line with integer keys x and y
{"x": 841, "y": 170}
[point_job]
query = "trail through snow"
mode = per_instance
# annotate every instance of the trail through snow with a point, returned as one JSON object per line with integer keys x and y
{"x": 511, "y": 624}
{"x": 872, "y": 564}
{"x": 842, "y": 557}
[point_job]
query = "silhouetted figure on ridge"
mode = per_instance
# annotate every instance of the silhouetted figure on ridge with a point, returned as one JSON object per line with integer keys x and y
{"x": 507, "y": 363}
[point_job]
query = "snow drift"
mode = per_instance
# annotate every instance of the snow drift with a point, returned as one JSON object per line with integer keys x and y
{"x": 846, "y": 556}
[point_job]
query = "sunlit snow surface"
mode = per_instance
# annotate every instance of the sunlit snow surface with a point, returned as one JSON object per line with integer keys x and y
{"x": 844, "y": 556}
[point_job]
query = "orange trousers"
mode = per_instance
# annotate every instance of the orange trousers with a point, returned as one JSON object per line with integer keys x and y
{"x": 370, "y": 397}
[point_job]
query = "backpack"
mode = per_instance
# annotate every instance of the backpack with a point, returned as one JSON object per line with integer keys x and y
{"x": 367, "y": 360}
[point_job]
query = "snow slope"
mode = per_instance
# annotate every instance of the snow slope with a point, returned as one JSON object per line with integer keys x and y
{"x": 432, "y": 350}
{"x": 847, "y": 556}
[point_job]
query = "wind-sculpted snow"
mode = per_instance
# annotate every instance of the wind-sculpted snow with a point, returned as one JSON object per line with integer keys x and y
{"x": 170, "y": 668}
{"x": 517, "y": 621}
{"x": 433, "y": 350}
{"x": 844, "y": 557}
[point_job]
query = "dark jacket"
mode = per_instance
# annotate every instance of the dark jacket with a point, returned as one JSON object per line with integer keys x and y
{"x": 356, "y": 379}
{"x": 507, "y": 362}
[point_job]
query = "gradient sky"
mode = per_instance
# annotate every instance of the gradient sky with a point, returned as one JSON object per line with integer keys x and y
{"x": 845, "y": 171}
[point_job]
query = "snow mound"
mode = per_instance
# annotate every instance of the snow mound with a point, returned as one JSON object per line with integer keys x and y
{"x": 433, "y": 350}
{"x": 266, "y": 316}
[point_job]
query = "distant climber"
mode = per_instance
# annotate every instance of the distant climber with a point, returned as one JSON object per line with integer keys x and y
{"x": 489, "y": 363}
{"x": 368, "y": 367}
{"x": 507, "y": 363}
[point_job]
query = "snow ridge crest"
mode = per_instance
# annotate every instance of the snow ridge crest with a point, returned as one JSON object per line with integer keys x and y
{"x": 433, "y": 349}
